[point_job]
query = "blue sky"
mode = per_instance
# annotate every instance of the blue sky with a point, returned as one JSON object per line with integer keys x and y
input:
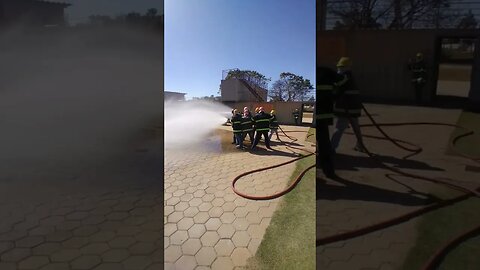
{"x": 202, "y": 38}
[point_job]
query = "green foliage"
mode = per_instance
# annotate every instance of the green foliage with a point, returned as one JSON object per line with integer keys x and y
{"x": 291, "y": 87}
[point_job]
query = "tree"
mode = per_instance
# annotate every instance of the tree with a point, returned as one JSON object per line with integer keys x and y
{"x": 250, "y": 76}
{"x": 290, "y": 87}
{"x": 468, "y": 21}
{"x": 391, "y": 14}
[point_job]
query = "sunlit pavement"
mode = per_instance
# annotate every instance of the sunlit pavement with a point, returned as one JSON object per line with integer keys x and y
{"x": 108, "y": 217}
{"x": 208, "y": 226}
{"x": 367, "y": 196}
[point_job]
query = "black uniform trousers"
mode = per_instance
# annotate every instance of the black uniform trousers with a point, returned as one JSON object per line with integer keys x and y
{"x": 325, "y": 153}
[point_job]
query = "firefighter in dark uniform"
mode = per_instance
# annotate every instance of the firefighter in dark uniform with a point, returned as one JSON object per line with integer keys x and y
{"x": 419, "y": 75}
{"x": 296, "y": 116}
{"x": 273, "y": 125}
{"x": 348, "y": 106}
{"x": 323, "y": 118}
{"x": 247, "y": 124}
{"x": 237, "y": 128}
{"x": 262, "y": 126}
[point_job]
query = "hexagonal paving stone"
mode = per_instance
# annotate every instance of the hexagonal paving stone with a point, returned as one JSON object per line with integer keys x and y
{"x": 15, "y": 255}
{"x": 240, "y": 224}
{"x": 77, "y": 215}
{"x": 46, "y": 248}
{"x": 95, "y": 248}
{"x": 115, "y": 255}
{"x": 33, "y": 262}
{"x": 41, "y": 230}
{"x": 59, "y": 236}
{"x": 102, "y": 236}
{"x": 122, "y": 242}
{"x": 186, "y": 263}
{"x": 240, "y": 212}
{"x": 224, "y": 247}
{"x": 29, "y": 241}
{"x": 191, "y": 246}
{"x": 196, "y": 231}
{"x": 169, "y": 229}
{"x": 240, "y": 256}
{"x": 148, "y": 236}
{"x": 226, "y": 231}
{"x": 172, "y": 253}
{"x": 185, "y": 223}
{"x": 179, "y": 237}
{"x": 215, "y": 212}
{"x": 137, "y": 262}
{"x": 86, "y": 262}
{"x": 65, "y": 255}
{"x": 205, "y": 206}
{"x": 85, "y": 230}
{"x": 213, "y": 224}
{"x": 8, "y": 266}
{"x": 56, "y": 266}
{"x": 175, "y": 217}
{"x": 227, "y": 217}
{"x": 201, "y": 217}
{"x": 191, "y": 211}
{"x": 142, "y": 248}
{"x": 209, "y": 238}
{"x": 75, "y": 242}
{"x": 4, "y": 246}
{"x": 222, "y": 263}
{"x": 241, "y": 238}
{"x": 206, "y": 256}
{"x": 117, "y": 216}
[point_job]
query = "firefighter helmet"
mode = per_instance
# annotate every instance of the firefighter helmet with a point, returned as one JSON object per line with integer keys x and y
{"x": 344, "y": 62}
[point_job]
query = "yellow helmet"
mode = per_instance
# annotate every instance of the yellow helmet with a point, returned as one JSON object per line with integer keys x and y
{"x": 272, "y": 112}
{"x": 344, "y": 62}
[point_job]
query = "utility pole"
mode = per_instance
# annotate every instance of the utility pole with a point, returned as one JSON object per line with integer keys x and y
{"x": 321, "y": 15}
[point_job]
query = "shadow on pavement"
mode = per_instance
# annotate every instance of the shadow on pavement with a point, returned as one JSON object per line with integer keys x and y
{"x": 360, "y": 192}
{"x": 263, "y": 152}
{"x": 353, "y": 163}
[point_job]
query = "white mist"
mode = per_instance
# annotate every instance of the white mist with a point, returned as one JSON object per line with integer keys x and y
{"x": 189, "y": 124}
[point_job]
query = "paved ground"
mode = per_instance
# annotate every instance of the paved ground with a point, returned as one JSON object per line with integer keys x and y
{"x": 103, "y": 217}
{"x": 366, "y": 196}
{"x": 207, "y": 226}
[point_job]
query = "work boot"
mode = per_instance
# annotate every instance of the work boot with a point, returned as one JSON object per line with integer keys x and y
{"x": 359, "y": 149}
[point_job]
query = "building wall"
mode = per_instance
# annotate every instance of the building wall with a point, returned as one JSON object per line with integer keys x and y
{"x": 380, "y": 58}
{"x": 33, "y": 12}
{"x": 234, "y": 90}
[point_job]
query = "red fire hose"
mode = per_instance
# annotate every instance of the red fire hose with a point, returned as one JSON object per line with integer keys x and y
{"x": 438, "y": 256}
{"x": 291, "y": 186}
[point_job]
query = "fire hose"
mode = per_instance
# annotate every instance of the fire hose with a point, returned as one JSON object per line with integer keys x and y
{"x": 291, "y": 186}
{"x": 436, "y": 259}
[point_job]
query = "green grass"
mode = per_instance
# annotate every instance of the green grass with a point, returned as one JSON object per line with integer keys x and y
{"x": 438, "y": 227}
{"x": 311, "y": 135}
{"x": 468, "y": 145}
{"x": 289, "y": 242}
